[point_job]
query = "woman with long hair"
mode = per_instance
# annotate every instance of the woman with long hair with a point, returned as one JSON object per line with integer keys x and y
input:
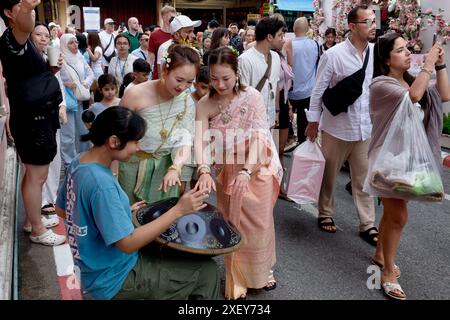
{"x": 169, "y": 110}
{"x": 391, "y": 83}
{"x": 248, "y": 171}
{"x": 95, "y": 51}
{"x": 220, "y": 38}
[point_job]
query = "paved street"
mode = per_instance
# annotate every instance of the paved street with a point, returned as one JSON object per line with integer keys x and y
{"x": 313, "y": 264}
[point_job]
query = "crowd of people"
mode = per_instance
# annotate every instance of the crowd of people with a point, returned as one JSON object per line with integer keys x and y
{"x": 131, "y": 115}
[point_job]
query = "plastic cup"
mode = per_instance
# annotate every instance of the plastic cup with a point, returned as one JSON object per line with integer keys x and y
{"x": 53, "y": 54}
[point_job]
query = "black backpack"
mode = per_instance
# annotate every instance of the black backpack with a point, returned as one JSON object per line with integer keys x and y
{"x": 346, "y": 91}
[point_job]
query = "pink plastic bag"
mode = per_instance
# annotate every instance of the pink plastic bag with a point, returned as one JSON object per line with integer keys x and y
{"x": 305, "y": 179}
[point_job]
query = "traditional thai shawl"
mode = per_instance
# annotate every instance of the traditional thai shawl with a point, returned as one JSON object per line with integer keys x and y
{"x": 252, "y": 212}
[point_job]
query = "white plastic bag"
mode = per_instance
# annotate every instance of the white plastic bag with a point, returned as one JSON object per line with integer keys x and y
{"x": 404, "y": 167}
{"x": 305, "y": 179}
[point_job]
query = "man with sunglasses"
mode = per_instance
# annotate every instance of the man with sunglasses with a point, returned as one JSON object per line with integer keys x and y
{"x": 346, "y": 135}
{"x": 142, "y": 51}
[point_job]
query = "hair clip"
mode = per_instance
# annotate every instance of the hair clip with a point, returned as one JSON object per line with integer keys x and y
{"x": 167, "y": 60}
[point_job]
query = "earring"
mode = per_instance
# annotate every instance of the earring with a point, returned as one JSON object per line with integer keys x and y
{"x": 236, "y": 86}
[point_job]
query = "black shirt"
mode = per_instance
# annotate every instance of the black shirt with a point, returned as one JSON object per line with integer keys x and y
{"x": 20, "y": 62}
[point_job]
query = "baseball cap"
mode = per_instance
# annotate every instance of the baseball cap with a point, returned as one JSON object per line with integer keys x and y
{"x": 183, "y": 21}
{"x": 108, "y": 20}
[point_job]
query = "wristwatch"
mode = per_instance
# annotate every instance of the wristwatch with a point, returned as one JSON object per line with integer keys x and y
{"x": 247, "y": 170}
{"x": 440, "y": 67}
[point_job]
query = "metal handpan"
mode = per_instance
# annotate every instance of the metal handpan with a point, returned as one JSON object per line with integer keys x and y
{"x": 204, "y": 232}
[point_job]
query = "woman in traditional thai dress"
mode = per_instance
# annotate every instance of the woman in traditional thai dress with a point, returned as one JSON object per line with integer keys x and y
{"x": 248, "y": 171}
{"x": 154, "y": 173}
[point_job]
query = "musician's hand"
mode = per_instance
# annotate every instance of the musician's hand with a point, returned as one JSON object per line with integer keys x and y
{"x": 170, "y": 179}
{"x": 137, "y": 205}
{"x": 205, "y": 182}
{"x": 192, "y": 201}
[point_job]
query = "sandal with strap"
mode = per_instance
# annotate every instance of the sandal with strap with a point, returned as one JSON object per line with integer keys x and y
{"x": 271, "y": 285}
{"x": 49, "y": 221}
{"x": 323, "y": 224}
{"x": 369, "y": 236}
{"x": 393, "y": 290}
{"x": 397, "y": 272}
{"x": 48, "y": 209}
{"x": 49, "y": 238}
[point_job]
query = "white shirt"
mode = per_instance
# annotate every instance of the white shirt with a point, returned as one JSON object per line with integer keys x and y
{"x": 105, "y": 37}
{"x": 119, "y": 68}
{"x": 252, "y": 67}
{"x": 335, "y": 64}
{"x": 97, "y": 66}
{"x": 143, "y": 54}
{"x": 163, "y": 50}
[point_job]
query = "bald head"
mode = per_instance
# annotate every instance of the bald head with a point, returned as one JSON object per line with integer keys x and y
{"x": 301, "y": 26}
{"x": 133, "y": 24}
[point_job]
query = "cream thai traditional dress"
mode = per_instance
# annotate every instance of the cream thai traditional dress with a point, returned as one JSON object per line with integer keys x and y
{"x": 252, "y": 212}
{"x": 170, "y": 126}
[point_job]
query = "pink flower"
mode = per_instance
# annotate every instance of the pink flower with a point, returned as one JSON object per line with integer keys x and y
{"x": 429, "y": 11}
{"x": 430, "y": 22}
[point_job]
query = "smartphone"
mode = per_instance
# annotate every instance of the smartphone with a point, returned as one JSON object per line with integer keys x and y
{"x": 434, "y": 38}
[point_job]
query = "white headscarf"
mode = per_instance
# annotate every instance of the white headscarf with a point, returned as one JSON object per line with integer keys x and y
{"x": 69, "y": 57}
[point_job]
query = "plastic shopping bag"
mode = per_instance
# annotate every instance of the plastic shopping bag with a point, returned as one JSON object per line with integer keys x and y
{"x": 404, "y": 167}
{"x": 305, "y": 179}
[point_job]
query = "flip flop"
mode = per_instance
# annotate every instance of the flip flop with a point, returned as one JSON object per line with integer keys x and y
{"x": 270, "y": 286}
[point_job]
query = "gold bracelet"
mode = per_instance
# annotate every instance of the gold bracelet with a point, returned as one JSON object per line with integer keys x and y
{"x": 203, "y": 166}
{"x": 175, "y": 167}
{"x": 429, "y": 72}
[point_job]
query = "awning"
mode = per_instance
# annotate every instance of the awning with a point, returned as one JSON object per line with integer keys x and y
{"x": 295, "y": 5}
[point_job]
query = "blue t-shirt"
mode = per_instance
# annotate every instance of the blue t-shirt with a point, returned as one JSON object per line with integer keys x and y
{"x": 98, "y": 215}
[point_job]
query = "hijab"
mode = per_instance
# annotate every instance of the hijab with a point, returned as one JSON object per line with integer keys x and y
{"x": 69, "y": 56}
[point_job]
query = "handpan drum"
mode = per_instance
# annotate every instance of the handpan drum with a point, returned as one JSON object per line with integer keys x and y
{"x": 204, "y": 232}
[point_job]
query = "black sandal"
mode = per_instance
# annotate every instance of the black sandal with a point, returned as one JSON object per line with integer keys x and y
{"x": 48, "y": 212}
{"x": 270, "y": 286}
{"x": 323, "y": 224}
{"x": 370, "y": 237}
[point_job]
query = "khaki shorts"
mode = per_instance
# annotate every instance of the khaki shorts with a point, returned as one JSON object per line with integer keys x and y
{"x": 175, "y": 277}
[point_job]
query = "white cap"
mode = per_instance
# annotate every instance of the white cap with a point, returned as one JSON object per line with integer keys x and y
{"x": 51, "y": 24}
{"x": 182, "y": 21}
{"x": 108, "y": 20}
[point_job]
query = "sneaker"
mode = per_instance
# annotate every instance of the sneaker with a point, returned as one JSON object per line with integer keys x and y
{"x": 49, "y": 221}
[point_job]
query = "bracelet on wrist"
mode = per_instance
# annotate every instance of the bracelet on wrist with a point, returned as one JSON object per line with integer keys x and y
{"x": 427, "y": 71}
{"x": 175, "y": 167}
{"x": 203, "y": 172}
{"x": 245, "y": 173}
{"x": 203, "y": 166}
{"x": 440, "y": 67}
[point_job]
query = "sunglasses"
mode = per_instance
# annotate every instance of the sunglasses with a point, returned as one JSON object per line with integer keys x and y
{"x": 367, "y": 22}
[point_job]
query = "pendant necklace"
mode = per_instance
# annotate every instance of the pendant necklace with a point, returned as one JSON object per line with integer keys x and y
{"x": 164, "y": 133}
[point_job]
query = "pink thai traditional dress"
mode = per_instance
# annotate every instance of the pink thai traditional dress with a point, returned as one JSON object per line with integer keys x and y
{"x": 245, "y": 120}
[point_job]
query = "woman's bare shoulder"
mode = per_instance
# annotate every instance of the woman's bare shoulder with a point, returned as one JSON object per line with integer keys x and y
{"x": 140, "y": 96}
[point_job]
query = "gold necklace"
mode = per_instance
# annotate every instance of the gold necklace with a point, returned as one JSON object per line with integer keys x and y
{"x": 164, "y": 133}
{"x": 225, "y": 115}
